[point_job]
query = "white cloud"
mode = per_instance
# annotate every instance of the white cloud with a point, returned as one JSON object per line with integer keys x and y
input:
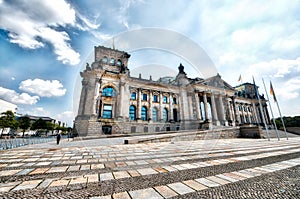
{"x": 277, "y": 68}
{"x": 31, "y": 23}
{"x": 16, "y": 98}
{"x": 289, "y": 89}
{"x": 66, "y": 116}
{"x": 43, "y": 88}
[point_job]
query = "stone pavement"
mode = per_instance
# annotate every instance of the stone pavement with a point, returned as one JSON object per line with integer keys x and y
{"x": 221, "y": 168}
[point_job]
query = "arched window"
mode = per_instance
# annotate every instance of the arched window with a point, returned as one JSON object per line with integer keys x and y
{"x": 104, "y": 59}
{"x": 119, "y": 63}
{"x": 165, "y": 114}
{"x": 108, "y": 92}
{"x": 154, "y": 114}
{"x": 132, "y": 112}
{"x": 144, "y": 113}
{"x": 112, "y": 61}
{"x": 133, "y": 95}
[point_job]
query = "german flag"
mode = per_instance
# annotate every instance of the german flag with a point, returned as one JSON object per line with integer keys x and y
{"x": 272, "y": 92}
{"x": 240, "y": 78}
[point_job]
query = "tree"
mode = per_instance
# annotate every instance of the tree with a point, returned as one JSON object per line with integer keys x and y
{"x": 39, "y": 125}
{"x": 8, "y": 120}
{"x": 24, "y": 124}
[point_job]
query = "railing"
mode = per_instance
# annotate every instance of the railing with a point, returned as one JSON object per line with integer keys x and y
{"x": 9, "y": 143}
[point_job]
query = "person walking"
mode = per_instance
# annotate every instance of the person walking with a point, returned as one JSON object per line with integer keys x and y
{"x": 58, "y": 136}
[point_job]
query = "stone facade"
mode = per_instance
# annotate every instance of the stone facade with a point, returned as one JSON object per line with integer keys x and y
{"x": 113, "y": 102}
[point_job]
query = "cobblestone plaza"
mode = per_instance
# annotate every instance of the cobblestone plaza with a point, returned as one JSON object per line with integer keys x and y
{"x": 106, "y": 168}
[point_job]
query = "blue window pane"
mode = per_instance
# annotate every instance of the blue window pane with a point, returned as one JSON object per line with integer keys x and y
{"x": 132, "y": 113}
{"x": 155, "y": 99}
{"x": 144, "y": 113}
{"x": 108, "y": 92}
{"x": 133, "y": 96}
{"x": 145, "y": 97}
{"x": 165, "y": 114}
{"x": 165, "y": 99}
{"x": 107, "y": 111}
{"x": 154, "y": 114}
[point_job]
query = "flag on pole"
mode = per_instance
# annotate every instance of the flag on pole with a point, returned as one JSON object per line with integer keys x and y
{"x": 272, "y": 92}
{"x": 261, "y": 109}
{"x": 240, "y": 78}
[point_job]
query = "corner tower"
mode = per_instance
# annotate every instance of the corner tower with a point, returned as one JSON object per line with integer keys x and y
{"x": 102, "y": 94}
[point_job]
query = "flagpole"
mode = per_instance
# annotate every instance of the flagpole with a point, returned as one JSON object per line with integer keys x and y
{"x": 282, "y": 121}
{"x": 279, "y": 111}
{"x": 261, "y": 109}
{"x": 271, "y": 111}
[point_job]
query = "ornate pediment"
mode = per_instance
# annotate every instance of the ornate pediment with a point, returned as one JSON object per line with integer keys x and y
{"x": 218, "y": 82}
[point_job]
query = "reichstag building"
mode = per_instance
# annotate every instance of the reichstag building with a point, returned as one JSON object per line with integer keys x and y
{"x": 113, "y": 102}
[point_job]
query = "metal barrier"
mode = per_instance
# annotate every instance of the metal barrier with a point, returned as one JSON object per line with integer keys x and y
{"x": 9, "y": 143}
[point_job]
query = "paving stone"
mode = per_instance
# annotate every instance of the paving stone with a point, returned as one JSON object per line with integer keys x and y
{"x": 57, "y": 169}
{"x": 232, "y": 175}
{"x": 5, "y": 187}
{"x": 59, "y": 183}
{"x": 45, "y": 183}
{"x": 31, "y": 184}
{"x": 207, "y": 182}
{"x": 133, "y": 173}
{"x": 165, "y": 191}
{"x": 43, "y": 163}
{"x": 169, "y": 168}
{"x": 218, "y": 180}
{"x": 227, "y": 178}
{"x": 97, "y": 166}
{"x": 122, "y": 195}
{"x": 85, "y": 167}
{"x": 148, "y": 193}
{"x": 195, "y": 185}
{"x": 180, "y": 188}
{"x": 147, "y": 171}
{"x": 16, "y": 165}
{"x": 92, "y": 177}
{"x": 24, "y": 172}
{"x": 160, "y": 170}
{"x": 101, "y": 197}
{"x": 121, "y": 174}
{"x": 74, "y": 168}
{"x": 78, "y": 180}
{"x": 106, "y": 176}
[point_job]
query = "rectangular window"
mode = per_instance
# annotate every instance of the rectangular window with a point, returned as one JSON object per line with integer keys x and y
{"x": 165, "y": 99}
{"x": 133, "y": 96}
{"x": 144, "y": 97}
{"x": 174, "y": 100}
{"x": 107, "y": 111}
{"x": 155, "y": 98}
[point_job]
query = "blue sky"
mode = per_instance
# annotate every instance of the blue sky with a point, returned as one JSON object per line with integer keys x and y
{"x": 44, "y": 45}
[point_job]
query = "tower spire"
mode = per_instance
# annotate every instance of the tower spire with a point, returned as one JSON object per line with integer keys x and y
{"x": 113, "y": 43}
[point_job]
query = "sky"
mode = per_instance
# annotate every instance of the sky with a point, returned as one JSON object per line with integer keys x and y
{"x": 45, "y": 44}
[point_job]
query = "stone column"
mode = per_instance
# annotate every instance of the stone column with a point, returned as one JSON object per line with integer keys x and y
{"x": 160, "y": 106}
{"x": 237, "y": 112}
{"x": 205, "y": 106}
{"x": 229, "y": 110}
{"x": 214, "y": 110}
{"x": 197, "y": 101}
{"x": 96, "y": 97}
{"x": 243, "y": 113}
{"x": 221, "y": 105}
{"x": 150, "y": 104}
{"x": 139, "y": 105}
{"x": 170, "y": 107}
{"x": 121, "y": 99}
{"x": 254, "y": 113}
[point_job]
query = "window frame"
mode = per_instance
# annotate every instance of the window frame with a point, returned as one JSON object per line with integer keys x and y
{"x": 105, "y": 111}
